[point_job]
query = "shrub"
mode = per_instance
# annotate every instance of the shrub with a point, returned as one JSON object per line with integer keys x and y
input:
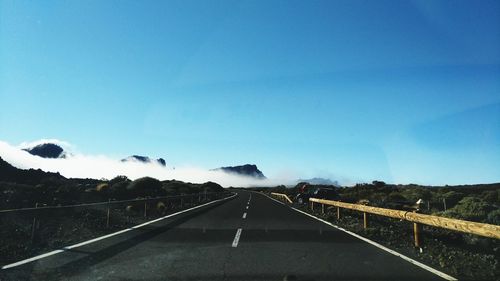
{"x": 494, "y": 217}
{"x": 145, "y": 186}
{"x": 470, "y": 208}
{"x": 211, "y": 187}
{"x": 490, "y": 196}
{"x": 416, "y": 193}
{"x": 118, "y": 179}
{"x": 130, "y": 209}
{"x": 396, "y": 197}
{"x": 452, "y": 198}
{"x": 160, "y": 207}
{"x": 102, "y": 187}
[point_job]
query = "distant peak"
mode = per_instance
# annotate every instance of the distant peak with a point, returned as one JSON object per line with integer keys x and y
{"x": 47, "y": 150}
{"x": 144, "y": 159}
{"x": 319, "y": 181}
{"x": 250, "y": 170}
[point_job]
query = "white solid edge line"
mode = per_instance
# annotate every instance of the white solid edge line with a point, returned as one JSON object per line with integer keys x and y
{"x": 106, "y": 236}
{"x": 244, "y": 215}
{"x": 275, "y": 200}
{"x": 237, "y": 238}
{"x": 408, "y": 259}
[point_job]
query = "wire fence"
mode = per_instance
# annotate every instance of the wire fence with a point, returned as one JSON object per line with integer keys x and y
{"x": 101, "y": 215}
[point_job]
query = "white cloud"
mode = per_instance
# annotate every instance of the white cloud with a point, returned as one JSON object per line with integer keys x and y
{"x": 77, "y": 165}
{"x": 63, "y": 144}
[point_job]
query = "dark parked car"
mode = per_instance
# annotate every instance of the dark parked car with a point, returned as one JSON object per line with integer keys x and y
{"x": 321, "y": 193}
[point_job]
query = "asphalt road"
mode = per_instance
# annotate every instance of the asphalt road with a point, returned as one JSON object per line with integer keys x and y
{"x": 274, "y": 241}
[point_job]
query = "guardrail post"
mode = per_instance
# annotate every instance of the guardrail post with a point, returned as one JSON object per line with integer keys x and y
{"x": 338, "y": 213}
{"x": 145, "y": 208}
{"x": 33, "y": 228}
{"x": 323, "y": 209}
{"x": 107, "y": 216}
{"x": 416, "y": 234}
{"x": 312, "y": 206}
{"x": 365, "y": 220}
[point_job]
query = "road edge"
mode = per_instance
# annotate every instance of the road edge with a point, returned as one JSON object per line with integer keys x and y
{"x": 380, "y": 246}
{"x": 64, "y": 249}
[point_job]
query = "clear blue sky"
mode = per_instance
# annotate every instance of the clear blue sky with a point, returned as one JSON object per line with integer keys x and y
{"x": 401, "y": 91}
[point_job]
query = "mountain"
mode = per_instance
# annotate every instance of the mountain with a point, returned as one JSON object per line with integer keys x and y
{"x": 144, "y": 159}
{"x": 244, "y": 170}
{"x": 9, "y": 173}
{"x": 47, "y": 150}
{"x": 319, "y": 181}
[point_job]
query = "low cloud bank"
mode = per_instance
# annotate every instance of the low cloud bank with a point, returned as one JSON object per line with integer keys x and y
{"x": 77, "y": 165}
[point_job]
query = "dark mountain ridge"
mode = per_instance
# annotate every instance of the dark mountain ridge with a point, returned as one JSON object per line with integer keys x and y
{"x": 9, "y": 173}
{"x": 46, "y": 150}
{"x": 144, "y": 159}
{"x": 244, "y": 170}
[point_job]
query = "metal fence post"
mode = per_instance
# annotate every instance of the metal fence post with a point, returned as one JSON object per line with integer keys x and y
{"x": 107, "y": 216}
{"x": 338, "y": 213}
{"x": 33, "y": 228}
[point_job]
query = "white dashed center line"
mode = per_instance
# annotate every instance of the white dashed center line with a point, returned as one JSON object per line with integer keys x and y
{"x": 237, "y": 238}
{"x": 244, "y": 215}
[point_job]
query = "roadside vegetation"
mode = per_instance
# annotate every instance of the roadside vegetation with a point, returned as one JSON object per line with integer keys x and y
{"x": 465, "y": 256}
{"x": 58, "y": 228}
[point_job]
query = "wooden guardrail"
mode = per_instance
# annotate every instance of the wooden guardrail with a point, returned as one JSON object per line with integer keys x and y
{"x": 282, "y": 196}
{"x": 481, "y": 229}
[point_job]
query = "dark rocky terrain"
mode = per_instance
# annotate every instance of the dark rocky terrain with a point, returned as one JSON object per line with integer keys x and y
{"x": 466, "y": 256}
{"x": 9, "y": 173}
{"x": 55, "y": 228}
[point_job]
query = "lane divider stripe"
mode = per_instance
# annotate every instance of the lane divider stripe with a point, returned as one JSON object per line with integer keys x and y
{"x": 237, "y": 238}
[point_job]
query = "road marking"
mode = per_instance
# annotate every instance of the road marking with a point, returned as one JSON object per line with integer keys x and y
{"x": 275, "y": 200}
{"x": 237, "y": 238}
{"x": 408, "y": 259}
{"x": 244, "y": 215}
{"x": 247, "y": 207}
{"x": 64, "y": 249}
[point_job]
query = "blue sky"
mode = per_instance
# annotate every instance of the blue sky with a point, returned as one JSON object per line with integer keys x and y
{"x": 401, "y": 91}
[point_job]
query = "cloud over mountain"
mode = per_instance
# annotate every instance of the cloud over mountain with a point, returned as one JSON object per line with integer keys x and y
{"x": 78, "y": 165}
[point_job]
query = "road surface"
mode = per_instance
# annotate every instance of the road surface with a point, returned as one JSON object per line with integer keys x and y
{"x": 250, "y": 237}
